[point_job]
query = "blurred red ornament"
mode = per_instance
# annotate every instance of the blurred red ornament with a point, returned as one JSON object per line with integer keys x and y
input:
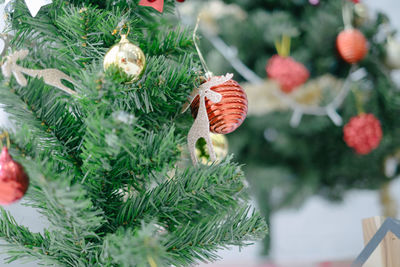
{"x": 356, "y": 1}
{"x": 352, "y": 45}
{"x": 13, "y": 180}
{"x": 156, "y": 4}
{"x": 289, "y": 73}
{"x": 180, "y": 1}
{"x": 363, "y": 133}
{"x": 227, "y": 115}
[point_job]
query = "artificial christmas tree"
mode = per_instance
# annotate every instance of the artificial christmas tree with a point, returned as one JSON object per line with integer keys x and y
{"x": 286, "y": 164}
{"x": 103, "y": 151}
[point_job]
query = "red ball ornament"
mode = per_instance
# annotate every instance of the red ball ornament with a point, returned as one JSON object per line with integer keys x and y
{"x": 352, "y": 45}
{"x": 228, "y": 114}
{"x": 289, "y": 73}
{"x": 363, "y": 133}
{"x": 180, "y": 1}
{"x": 13, "y": 180}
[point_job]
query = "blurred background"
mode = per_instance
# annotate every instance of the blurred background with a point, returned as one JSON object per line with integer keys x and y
{"x": 312, "y": 186}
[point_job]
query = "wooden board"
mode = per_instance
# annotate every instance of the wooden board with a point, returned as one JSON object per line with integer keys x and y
{"x": 387, "y": 253}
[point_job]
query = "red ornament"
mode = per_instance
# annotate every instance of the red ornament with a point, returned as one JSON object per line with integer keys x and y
{"x": 289, "y": 73}
{"x": 156, "y": 4}
{"x": 13, "y": 180}
{"x": 227, "y": 115}
{"x": 180, "y": 1}
{"x": 352, "y": 45}
{"x": 363, "y": 133}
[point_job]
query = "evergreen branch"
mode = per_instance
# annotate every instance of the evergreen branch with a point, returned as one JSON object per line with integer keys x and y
{"x": 191, "y": 243}
{"x": 80, "y": 34}
{"x": 170, "y": 42}
{"x": 155, "y": 99}
{"x": 118, "y": 154}
{"x": 187, "y": 197}
{"x": 34, "y": 136}
{"x": 74, "y": 222}
{"x": 40, "y": 29}
{"x": 22, "y": 244}
{"x": 167, "y": 84}
{"x": 47, "y": 106}
{"x": 127, "y": 248}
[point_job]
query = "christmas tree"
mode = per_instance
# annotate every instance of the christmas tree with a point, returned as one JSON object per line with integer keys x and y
{"x": 103, "y": 150}
{"x": 286, "y": 158}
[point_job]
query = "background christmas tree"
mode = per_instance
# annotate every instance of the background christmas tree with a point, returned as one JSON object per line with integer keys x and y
{"x": 286, "y": 164}
{"x": 103, "y": 163}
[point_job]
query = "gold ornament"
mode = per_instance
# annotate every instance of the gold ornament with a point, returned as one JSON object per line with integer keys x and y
{"x": 392, "y": 59}
{"x": 361, "y": 14}
{"x": 126, "y": 56}
{"x": 220, "y": 144}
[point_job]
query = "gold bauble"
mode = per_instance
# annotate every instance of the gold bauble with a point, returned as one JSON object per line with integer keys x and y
{"x": 361, "y": 14}
{"x": 392, "y": 59}
{"x": 126, "y": 56}
{"x": 220, "y": 144}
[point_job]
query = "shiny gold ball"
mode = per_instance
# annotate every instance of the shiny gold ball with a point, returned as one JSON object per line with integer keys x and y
{"x": 220, "y": 144}
{"x": 127, "y": 57}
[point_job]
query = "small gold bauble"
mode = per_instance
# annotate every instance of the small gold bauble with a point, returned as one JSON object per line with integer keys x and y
{"x": 126, "y": 56}
{"x": 362, "y": 13}
{"x": 220, "y": 144}
{"x": 392, "y": 59}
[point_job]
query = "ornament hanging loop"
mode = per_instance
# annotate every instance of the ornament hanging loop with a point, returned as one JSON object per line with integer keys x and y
{"x": 208, "y": 73}
{"x": 283, "y": 47}
{"x": 120, "y": 28}
{"x": 358, "y": 101}
{"x": 347, "y": 14}
{"x": 127, "y": 32}
{"x": 6, "y": 136}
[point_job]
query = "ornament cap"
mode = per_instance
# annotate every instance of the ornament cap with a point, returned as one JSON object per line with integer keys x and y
{"x": 124, "y": 38}
{"x": 209, "y": 75}
{"x": 5, "y": 156}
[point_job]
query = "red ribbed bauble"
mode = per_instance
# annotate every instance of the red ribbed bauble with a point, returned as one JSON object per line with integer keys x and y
{"x": 363, "y": 133}
{"x": 289, "y": 73}
{"x": 227, "y": 115}
{"x": 352, "y": 45}
{"x": 13, "y": 180}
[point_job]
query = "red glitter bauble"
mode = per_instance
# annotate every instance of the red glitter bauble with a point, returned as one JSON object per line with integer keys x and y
{"x": 363, "y": 133}
{"x": 289, "y": 73}
{"x": 352, "y": 45}
{"x": 13, "y": 180}
{"x": 227, "y": 115}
